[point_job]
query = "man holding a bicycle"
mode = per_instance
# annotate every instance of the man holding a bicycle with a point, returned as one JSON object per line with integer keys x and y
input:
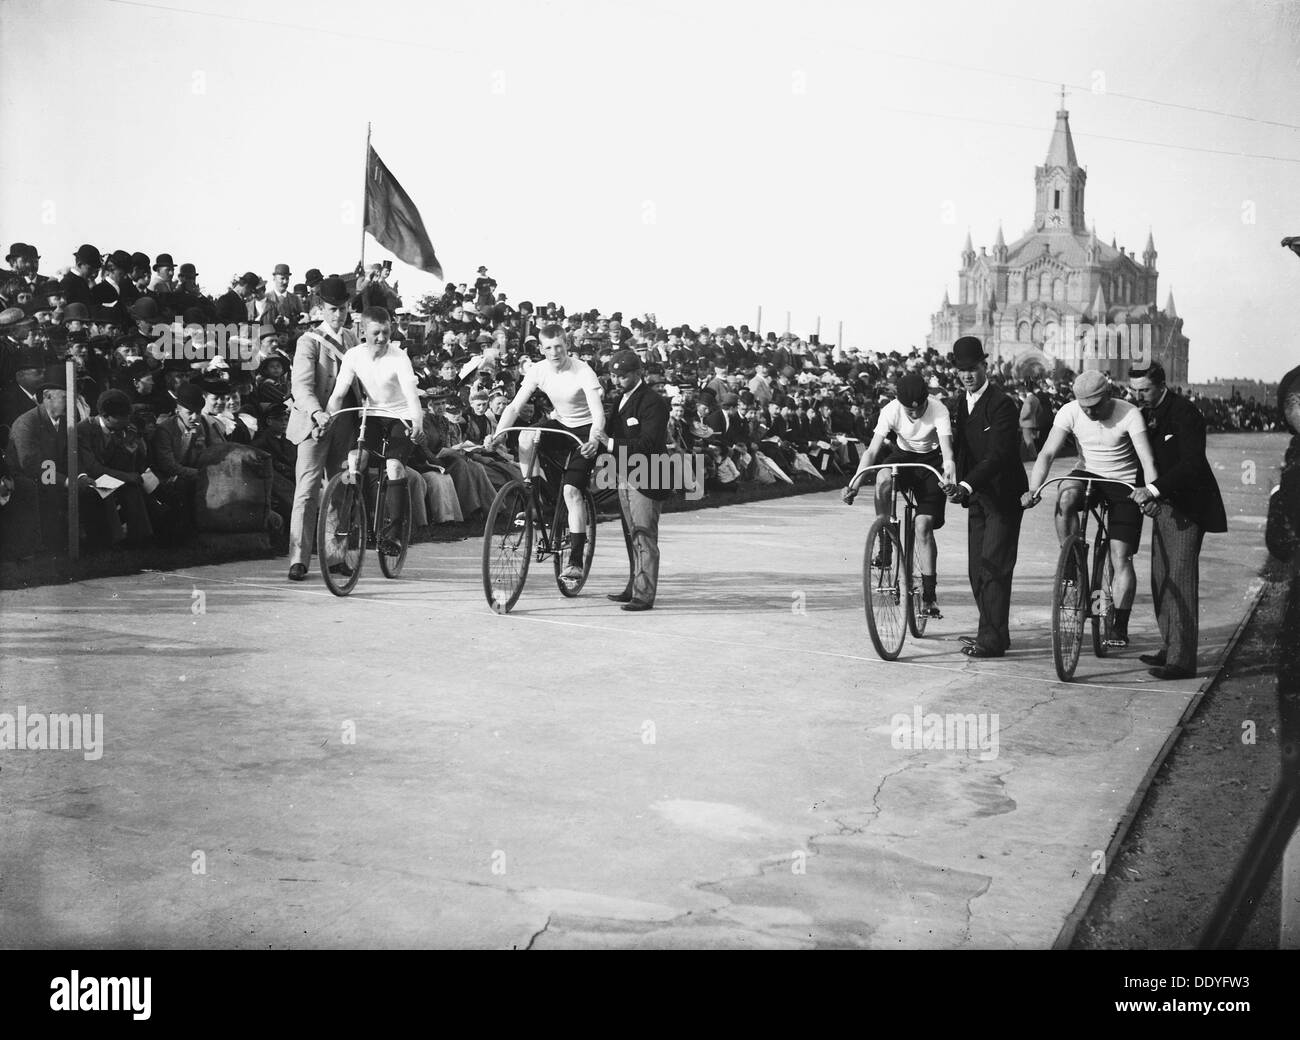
{"x": 385, "y": 374}
{"x": 1113, "y": 443}
{"x": 922, "y": 431}
{"x": 575, "y": 393}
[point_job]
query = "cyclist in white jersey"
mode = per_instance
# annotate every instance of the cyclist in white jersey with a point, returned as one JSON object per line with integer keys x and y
{"x": 1113, "y": 443}
{"x": 922, "y": 431}
{"x": 575, "y": 393}
{"x": 385, "y": 374}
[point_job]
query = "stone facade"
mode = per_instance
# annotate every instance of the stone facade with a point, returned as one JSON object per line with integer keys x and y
{"x": 1057, "y": 298}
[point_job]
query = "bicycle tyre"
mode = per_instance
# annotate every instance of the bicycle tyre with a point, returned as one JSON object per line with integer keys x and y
{"x": 916, "y": 617}
{"x": 1103, "y": 580}
{"x": 883, "y": 590}
{"x": 338, "y": 542}
{"x": 560, "y": 536}
{"x": 507, "y": 546}
{"x": 391, "y": 566}
{"x": 1070, "y": 603}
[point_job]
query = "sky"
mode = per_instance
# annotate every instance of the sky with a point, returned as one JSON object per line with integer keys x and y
{"x": 696, "y": 161}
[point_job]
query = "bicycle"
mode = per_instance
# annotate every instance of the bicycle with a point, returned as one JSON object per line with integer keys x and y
{"x": 342, "y": 533}
{"x": 891, "y": 570}
{"x": 516, "y": 532}
{"x": 1080, "y": 592}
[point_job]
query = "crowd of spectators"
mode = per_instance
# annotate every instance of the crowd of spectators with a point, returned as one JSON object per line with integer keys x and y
{"x": 745, "y": 407}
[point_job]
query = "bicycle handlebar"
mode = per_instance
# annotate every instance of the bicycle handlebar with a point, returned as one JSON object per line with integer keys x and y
{"x": 540, "y": 429}
{"x": 383, "y": 412}
{"x": 905, "y": 465}
{"x": 1093, "y": 480}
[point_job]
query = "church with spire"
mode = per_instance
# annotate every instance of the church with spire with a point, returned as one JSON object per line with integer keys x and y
{"x": 1057, "y": 297}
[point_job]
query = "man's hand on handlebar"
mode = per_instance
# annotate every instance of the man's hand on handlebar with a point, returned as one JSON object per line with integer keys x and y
{"x": 1029, "y": 499}
{"x": 849, "y": 494}
{"x": 588, "y": 450}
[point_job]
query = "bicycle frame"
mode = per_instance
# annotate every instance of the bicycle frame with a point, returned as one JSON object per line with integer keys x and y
{"x": 908, "y": 493}
{"x": 1100, "y": 511}
{"x": 545, "y": 546}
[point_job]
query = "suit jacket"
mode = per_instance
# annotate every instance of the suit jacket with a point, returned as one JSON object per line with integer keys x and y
{"x": 32, "y": 440}
{"x": 101, "y": 453}
{"x": 1177, "y": 431}
{"x": 231, "y": 310}
{"x": 987, "y": 446}
{"x": 735, "y": 433}
{"x": 315, "y": 370}
{"x": 639, "y": 426}
{"x": 14, "y": 401}
{"x": 76, "y": 289}
{"x": 175, "y": 451}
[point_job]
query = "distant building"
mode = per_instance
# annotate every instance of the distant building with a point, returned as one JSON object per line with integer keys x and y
{"x": 1058, "y": 298}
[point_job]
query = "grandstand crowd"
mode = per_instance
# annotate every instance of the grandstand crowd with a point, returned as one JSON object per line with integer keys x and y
{"x": 150, "y": 409}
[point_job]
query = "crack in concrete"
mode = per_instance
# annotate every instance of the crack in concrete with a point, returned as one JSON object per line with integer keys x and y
{"x": 538, "y": 934}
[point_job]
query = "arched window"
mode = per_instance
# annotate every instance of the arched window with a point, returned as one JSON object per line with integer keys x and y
{"x": 1022, "y": 332}
{"x": 1058, "y": 289}
{"x": 1045, "y": 286}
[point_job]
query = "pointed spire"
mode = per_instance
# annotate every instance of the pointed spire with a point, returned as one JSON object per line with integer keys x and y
{"x": 946, "y": 303}
{"x": 968, "y": 248}
{"x": 1170, "y": 312}
{"x": 999, "y": 242}
{"x": 1112, "y": 242}
{"x": 1099, "y": 306}
{"x": 1151, "y": 244}
{"x": 1060, "y": 152}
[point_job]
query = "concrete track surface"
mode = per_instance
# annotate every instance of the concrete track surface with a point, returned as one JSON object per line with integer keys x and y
{"x": 404, "y": 768}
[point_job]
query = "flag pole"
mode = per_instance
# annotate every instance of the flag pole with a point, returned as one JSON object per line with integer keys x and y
{"x": 365, "y": 189}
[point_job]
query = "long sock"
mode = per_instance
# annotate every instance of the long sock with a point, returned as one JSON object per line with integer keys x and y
{"x": 395, "y": 507}
{"x": 1121, "y": 620}
{"x": 928, "y": 582}
{"x": 577, "y": 543}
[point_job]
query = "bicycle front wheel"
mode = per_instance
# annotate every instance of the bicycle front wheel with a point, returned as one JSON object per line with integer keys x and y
{"x": 507, "y": 546}
{"x": 883, "y": 588}
{"x": 1103, "y": 597}
{"x": 1069, "y": 607}
{"x": 391, "y": 545}
{"x": 562, "y": 536}
{"x": 341, "y": 533}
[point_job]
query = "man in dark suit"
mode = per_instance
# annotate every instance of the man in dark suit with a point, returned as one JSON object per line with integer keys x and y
{"x": 38, "y": 450}
{"x": 637, "y": 436}
{"x": 21, "y": 395}
{"x": 232, "y": 306}
{"x": 990, "y": 481}
{"x": 107, "y": 446}
{"x": 77, "y": 282}
{"x": 1184, "y": 503}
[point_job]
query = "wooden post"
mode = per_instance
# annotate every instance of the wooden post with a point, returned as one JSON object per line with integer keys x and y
{"x": 365, "y": 191}
{"x": 787, "y": 323}
{"x": 758, "y": 328}
{"x": 839, "y": 339}
{"x": 74, "y": 519}
{"x": 819, "y": 328}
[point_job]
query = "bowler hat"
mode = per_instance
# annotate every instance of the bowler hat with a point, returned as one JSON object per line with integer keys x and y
{"x": 281, "y": 269}
{"x": 190, "y": 396}
{"x": 314, "y": 277}
{"x": 144, "y": 309}
{"x": 17, "y": 250}
{"x": 968, "y": 353}
{"x": 334, "y": 292}
{"x": 139, "y": 260}
{"x": 164, "y": 260}
{"x": 87, "y": 254}
{"x": 30, "y": 357}
{"x": 187, "y": 271}
{"x": 55, "y": 379}
{"x": 250, "y": 280}
{"x": 76, "y": 312}
{"x": 120, "y": 259}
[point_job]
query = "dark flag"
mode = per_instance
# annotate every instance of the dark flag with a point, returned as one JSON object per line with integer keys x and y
{"x": 392, "y": 218}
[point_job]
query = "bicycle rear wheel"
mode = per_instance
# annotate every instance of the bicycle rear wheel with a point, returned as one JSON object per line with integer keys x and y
{"x": 391, "y": 563}
{"x": 916, "y": 616}
{"x": 1102, "y": 600}
{"x": 1069, "y": 606}
{"x": 507, "y": 546}
{"x": 561, "y": 535}
{"x": 341, "y": 533}
{"x": 884, "y": 590}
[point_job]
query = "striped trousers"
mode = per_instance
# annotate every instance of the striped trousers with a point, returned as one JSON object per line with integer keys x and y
{"x": 1176, "y": 584}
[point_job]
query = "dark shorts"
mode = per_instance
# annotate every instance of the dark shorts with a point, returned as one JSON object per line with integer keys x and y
{"x": 387, "y": 438}
{"x": 930, "y": 499}
{"x": 561, "y": 453}
{"x": 1124, "y": 520}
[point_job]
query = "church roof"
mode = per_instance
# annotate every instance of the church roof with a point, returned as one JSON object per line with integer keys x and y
{"x": 1060, "y": 152}
{"x": 1070, "y": 249}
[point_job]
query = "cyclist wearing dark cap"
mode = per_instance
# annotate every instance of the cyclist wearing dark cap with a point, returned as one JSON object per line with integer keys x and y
{"x": 922, "y": 430}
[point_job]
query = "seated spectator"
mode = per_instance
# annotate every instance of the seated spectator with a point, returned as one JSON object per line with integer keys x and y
{"x": 108, "y": 446}
{"x": 284, "y": 458}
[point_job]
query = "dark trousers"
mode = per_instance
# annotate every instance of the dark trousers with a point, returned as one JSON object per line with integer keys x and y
{"x": 993, "y": 541}
{"x": 20, "y": 521}
{"x": 1175, "y": 584}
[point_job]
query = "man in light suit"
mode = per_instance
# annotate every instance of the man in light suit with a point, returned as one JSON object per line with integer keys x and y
{"x": 323, "y": 443}
{"x": 282, "y": 308}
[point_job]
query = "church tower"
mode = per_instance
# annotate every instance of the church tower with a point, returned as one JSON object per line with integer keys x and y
{"x": 1059, "y": 183}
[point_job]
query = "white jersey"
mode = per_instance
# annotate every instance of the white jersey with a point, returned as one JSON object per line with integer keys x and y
{"x": 1106, "y": 447}
{"x": 919, "y": 436}
{"x": 567, "y": 389}
{"x": 386, "y": 379}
